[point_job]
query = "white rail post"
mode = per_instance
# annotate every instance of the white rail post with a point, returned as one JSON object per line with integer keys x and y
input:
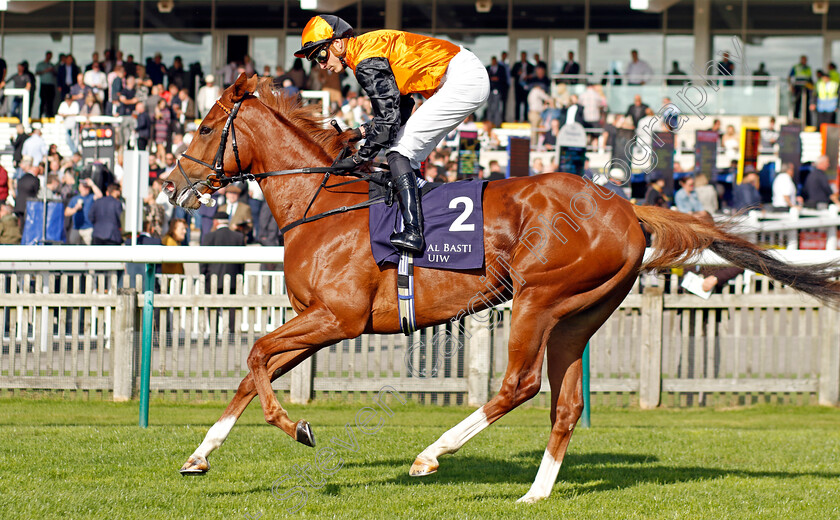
{"x": 478, "y": 351}
{"x": 793, "y": 234}
{"x": 829, "y": 382}
{"x": 123, "y": 335}
{"x": 301, "y": 382}
{"x": 831, "y": 232}
{"x": 650, "y": 358}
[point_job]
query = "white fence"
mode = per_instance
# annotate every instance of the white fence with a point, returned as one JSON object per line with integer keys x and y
{"x": 79, "y": 332}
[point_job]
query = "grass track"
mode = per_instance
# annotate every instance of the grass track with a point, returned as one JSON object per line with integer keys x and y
{"x": 68, "y": 459}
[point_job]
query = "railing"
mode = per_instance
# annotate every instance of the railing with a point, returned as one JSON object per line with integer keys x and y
{"x": 80, "y": 332}
{"x": 742, "y": 98}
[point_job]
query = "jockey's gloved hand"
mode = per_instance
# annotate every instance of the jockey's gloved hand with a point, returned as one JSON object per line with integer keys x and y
{"x": 355, "y": 135}
{"x": 349, "y": 163}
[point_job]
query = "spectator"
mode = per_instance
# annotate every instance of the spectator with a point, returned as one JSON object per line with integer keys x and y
{"x": 68, "y": 71}
{"x": 128, "y": 97}
{"x": 784, "y": 189}
{"x": 240, "y": 213}
{"x": 538, "y": 99}
{"x": 155, "y": 69}
{"x": 152, "y": 99}
{"x": 826, "y": 99}
{"x": 97, "y": 81}
{"x": 726, "y": 68}
{"x": 716, "y": 127}
{"x": 570, "y": 67}
{"x": 687, "y": 200}
{"x": 20, "y": 80}
{"x": 731, "y": 142}
{"x": 162, "y": 128}
{"x": 603, "y": 180}
{"x": 27, "y": 187}
{"x": 706, "y": 193}
{"x": 174, "y": 237}
{"x": 94, "y": 59}
{"x": 594, "y": 105}
{"x": 670, "y": 115}
{"x": 548, "y": 139}
{"x": 184, "y": 109}
{"x": 105, "y": 215}
{"x": 9, "y": 226}
{"x": 745, "y": 196}
{"x": 4, "y": 185}
{"x": 675, "y": 71}
{"x": 19, "y": 138}
{"x": 46, "y": 72}
{"x": 207, "y": 95}
{"x": 655, "y": 195}
{"x": 574, "y": 112}
{"x": 494, "y": 171}
{"x": 816, "y": 190}
{"x": 35, "y": 147}
{"x": 90, "y": 107}
{"x": 297, "y": 74}
{"x": 760, "y": 72}
{"x": 498, "y": 92}
{"x": 67, "y": 111}
{"x": 3, "y": 71}
{"x": 256, "y": 200}
{"x": 176, "y": 73}
{"x": 222, "y": 235}
{"x": 801, "y": 84}
{"x": 638, "y": 71}
{"x": 79, "y": 91}
{"x": 833, "y": 75}
{"x": 537, "y": 166}
{"x": 538, "y": 62}
{"x": 769, "y": 135}
{"x": 637, "y": 110}
{"x": 269, "y": 236}
{"x": 130, "y": 66}
{"x": 79, "y": 208}
{"x": 520, "y": 74}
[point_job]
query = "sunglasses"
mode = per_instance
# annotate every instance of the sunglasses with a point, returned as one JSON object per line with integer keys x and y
{"x": 321, "y": 54}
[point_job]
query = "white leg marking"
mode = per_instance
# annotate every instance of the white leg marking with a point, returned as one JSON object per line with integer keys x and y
{"x": 546, "y": 476}
{"x": 457, "y": 436}
{"x": 215, "y": 436}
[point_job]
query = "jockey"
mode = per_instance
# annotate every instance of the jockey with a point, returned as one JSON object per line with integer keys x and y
{"x": 391, "y": 66}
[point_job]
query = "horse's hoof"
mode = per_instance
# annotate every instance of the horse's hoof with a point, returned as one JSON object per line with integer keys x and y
{"x": 304, "y": 435}
{"x": 530, "y": 499}
{"x": 195, "y": 466}
{"x": 421, "y": 468}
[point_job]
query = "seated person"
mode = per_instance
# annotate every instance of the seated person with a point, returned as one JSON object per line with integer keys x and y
{"x": 745, "y": 196}
{"x": 686, "y": 198}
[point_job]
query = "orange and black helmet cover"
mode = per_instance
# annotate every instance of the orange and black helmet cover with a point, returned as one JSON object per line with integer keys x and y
{"x": 320, "y": 31}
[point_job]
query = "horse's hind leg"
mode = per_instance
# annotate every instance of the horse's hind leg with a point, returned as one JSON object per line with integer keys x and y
{"x": 521, "y": 382}
{"x": 279, "y": 365}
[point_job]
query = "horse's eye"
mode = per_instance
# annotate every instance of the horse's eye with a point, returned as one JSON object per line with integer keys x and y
{"x": 205, "y": 130}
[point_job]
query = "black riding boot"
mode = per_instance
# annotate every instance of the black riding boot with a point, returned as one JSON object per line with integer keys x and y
{"x": 411, "y": 238}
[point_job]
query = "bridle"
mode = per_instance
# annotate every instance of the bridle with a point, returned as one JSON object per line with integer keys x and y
{"x": 218, "y": 179}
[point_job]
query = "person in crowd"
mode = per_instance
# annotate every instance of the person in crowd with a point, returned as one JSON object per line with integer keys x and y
{"x": 241, "y": 217}
{"x": 670, "y": 115}
{"x": 4, "y": 185}
{"x": 222, "y": 235}
{"x": 144, "y": 126}
{"x": 675, "y": 71}
{"x": 207, "y": 95}
{"x": 176, "y": 74}
{"x": 128, "y": 97}
{"x": 816, "y": 190}
{"x": 153, "y": 99}
{"x": 731, "y": 142}
{"x": 269, "y": 236}
{"x": 725, "y": 67}
{"x": 79, "y": 91}
{"x": 825, "y": 103}
{"x": 94, "y": 59}
{"x": 68, "y": 71}
{"x": 801, "y": 83}
{"x": 67, "y": 111}
{"x": 594, "y": 105}
{"x": 174, "y": 237}
{"x": 498, "y": 92}
{"x": 256, "y": 200}
{"x": 35, "y": 147}
{"x": 761, "y": 71}
{"x": 638, "y": 71}
{"x": 155, "y": 69}
{"x": 105, "y": 215}
{"x": 162, "y": 128}
{"x": 20, "y": 80}
{"x": 520, "y": 74}
{"x": 297, "y": 74}
{"x": 97, "y": 81}
{"x": 717, "y": 127}
{"x": 548, "y": 139}
{"x": 116, "y": 84}
{"x": 184, "y": 109}
{"x": 770, "y": 134}
{"x": 784, "y": 189}
{"x": 637, "y": 110}
{"x": 90, "y": 108}
{"x": 574, "y": 112}
{"x": 17, "y": 141}
{"x": 46, "y": 72}
{"x": 745, "y": 196}
{"x": 3, "y": 70}
{"x": 655, "y": 195}
{"x": 706, "y": 193}
{"x": 538, "y": 99}
{"x": 27, "y": 187}
{"x": 494, "y": 171}
{"x": 79, "y": 209}
{"x": 832, "y": 72}
{"x": 687, "y": 200}
{"x": 9, "y": 226}
{"x": 570, "y": 68}
{"x": 537, "y": 167}
{"x": 130, "y": 66}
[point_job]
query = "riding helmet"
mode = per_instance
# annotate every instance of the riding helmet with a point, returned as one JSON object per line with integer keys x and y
{"x": 321, "y": 30}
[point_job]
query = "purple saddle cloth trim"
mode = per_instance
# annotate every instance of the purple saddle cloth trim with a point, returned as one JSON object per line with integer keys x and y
{"x": 454, "y": 228}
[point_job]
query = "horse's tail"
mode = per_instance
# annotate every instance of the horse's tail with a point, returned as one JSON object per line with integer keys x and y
{"x": 679, "y": 236}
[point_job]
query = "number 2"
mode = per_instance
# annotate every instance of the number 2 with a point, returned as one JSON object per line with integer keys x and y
{"x": 459, "y": 225}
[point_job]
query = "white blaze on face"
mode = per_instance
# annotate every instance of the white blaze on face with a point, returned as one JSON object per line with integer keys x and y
{"x": 216, "y": 436}
{"x": 546, "y": 476}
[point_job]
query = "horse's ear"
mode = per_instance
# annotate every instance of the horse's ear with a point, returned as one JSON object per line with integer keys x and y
{"x": 244, "y": 85}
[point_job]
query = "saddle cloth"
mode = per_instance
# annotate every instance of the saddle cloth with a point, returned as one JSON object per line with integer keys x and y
{"x": 453, "y": 229}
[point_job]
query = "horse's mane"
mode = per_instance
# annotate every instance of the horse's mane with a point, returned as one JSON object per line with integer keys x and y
{"x": 307, "y": 119}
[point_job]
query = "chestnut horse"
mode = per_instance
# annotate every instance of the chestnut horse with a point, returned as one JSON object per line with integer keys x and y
{"x": 565, "y": 250}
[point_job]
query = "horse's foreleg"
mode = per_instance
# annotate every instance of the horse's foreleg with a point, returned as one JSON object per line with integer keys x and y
{"x": 279, "y": 365}
{"x": 521, "y": 382}
{"x": 314, "y": 328}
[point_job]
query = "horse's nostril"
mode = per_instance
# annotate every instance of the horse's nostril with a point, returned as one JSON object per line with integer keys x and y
{"x": 169, "y": 187}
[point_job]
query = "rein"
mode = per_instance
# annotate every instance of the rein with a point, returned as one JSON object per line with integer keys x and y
{"x": 219, "y": 178}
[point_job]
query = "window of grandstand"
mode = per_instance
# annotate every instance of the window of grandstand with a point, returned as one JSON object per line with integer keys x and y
{"x": 607, "y": 14}
{"x": 464, "y": 14}
{"x": 185, "y": 14}
{"x": 416, "y": 14}
{"x": 727, "y": 15}
{"x": 545, "y": 14}
{"x": 765, "y": 15}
